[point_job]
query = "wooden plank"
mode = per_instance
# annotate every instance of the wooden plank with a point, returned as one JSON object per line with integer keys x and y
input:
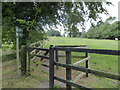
{"x": 71, "y": 46}
{"x": 56, "y": 58}
{"x": 97, "y": 51}
{"x": 51, "y": 68}
{"x": 23, "y": 60}
{"x": 28, "y": 61}
{"x": 92, "y": 71}
{"x": 45, "y": 65}
{"x": 78, "y": 77}
{"x": 68, "y": 70}
{"x": 83, "y": 60}
{"x": 86, "y": 64}
{"x": 45, "y": 54}
{"x": 37, "y": 43}
{"x": 72, "y": 56}
{"x": 44, "y": 49}
{"x": 42, "y": 56}
{"x": 71, "y": 83}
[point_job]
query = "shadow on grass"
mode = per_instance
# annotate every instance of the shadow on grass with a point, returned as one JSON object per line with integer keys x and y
{"x": 8, "y": 57}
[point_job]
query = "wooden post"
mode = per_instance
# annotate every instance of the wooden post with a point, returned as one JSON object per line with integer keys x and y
{"x": 28, "y": 55}
{"x": 51, "y": 67}
{"x": 87, "y": 64}
{"x": 56, "y": 58}
{"x": 68, "y": 71}
{"x": 23, "y": 60}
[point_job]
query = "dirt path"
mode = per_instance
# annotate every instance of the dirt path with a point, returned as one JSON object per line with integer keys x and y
{"x": 61, "y": 72}
{"x": 43, "y": 85}
{"x": 7, "y": 52}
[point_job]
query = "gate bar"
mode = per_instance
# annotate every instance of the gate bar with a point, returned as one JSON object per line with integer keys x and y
{"x": 92, "y": 71}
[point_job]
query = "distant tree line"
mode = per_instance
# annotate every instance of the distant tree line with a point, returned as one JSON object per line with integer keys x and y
{"x": 103, "y": 31}
{"x": 53, "y": 33}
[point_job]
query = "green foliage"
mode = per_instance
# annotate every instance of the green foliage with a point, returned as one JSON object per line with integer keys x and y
{"x": 34, "y": 16}
{"x": 78, "y": 14}
{"x": 73, "y": 32}
{"x": 10, "y": 57}
{"x": 53, "y": 33}
{"x": 104, "y": 31}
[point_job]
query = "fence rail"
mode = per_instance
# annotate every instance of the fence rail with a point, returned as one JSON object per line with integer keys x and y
{"x": 69, "y": 66}
{"x": 71, "y": 83}
{"x": 97, "y": 51}
{"x": 42, "y": 56}
{"x": 53, "y": 60}
{"x": 83, "y": 60}
{"x": 44, "y": 49}
{"x": 92, "y": 71}
{"x": 71, "y": 46}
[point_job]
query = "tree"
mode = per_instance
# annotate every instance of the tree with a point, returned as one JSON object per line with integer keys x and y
{"x": 106, "y": 30}
{"x": 53, "y": 33}
{"x": 34, "y": 16}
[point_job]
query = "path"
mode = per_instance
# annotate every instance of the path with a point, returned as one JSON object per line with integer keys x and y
{"x": 8, "y": 52}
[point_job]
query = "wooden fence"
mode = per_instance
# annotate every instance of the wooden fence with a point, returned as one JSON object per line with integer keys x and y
{"x": 69, "y": 66}
{"x": 53, "y": 60}
{"x": 40, "y": 56}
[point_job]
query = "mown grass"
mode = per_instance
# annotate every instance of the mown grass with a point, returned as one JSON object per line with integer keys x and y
{"x": 107, "y": 63}
{"x": 97, "y": 61}
{"x": 93, "y": 43}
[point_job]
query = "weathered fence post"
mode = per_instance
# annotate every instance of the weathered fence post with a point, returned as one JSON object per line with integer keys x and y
{"x": 56, "y": 58}
{"x": 23, "y": 60}
{"x": 51, "y": 67}
{"x": 87, "y": 63}
{"x": 68, "y": 71}
{"x": 28, "y": 60}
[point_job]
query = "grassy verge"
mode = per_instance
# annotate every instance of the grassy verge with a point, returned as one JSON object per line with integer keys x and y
{"x": 11, "y": 80}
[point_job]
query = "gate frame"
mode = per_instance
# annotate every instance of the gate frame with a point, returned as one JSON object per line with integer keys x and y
{"x": 68, "y": 65}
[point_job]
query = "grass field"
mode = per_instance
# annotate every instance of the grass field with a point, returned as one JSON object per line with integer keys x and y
{"x": 107, "y": 63}
{"x": 93, "y": 43}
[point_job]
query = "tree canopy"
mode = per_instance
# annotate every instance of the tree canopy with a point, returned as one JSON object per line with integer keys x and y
{"x": 106, "y": 30}
{"x": 53, "y": 33}
{"x": 34, "y": 16}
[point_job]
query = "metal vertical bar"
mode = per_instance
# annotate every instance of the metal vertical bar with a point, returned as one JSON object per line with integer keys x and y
{"x": 51, "y": 68}
{"x": 68, "y": 71}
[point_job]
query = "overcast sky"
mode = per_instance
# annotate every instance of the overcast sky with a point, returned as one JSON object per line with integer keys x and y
{"x": 113, "y": 10}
